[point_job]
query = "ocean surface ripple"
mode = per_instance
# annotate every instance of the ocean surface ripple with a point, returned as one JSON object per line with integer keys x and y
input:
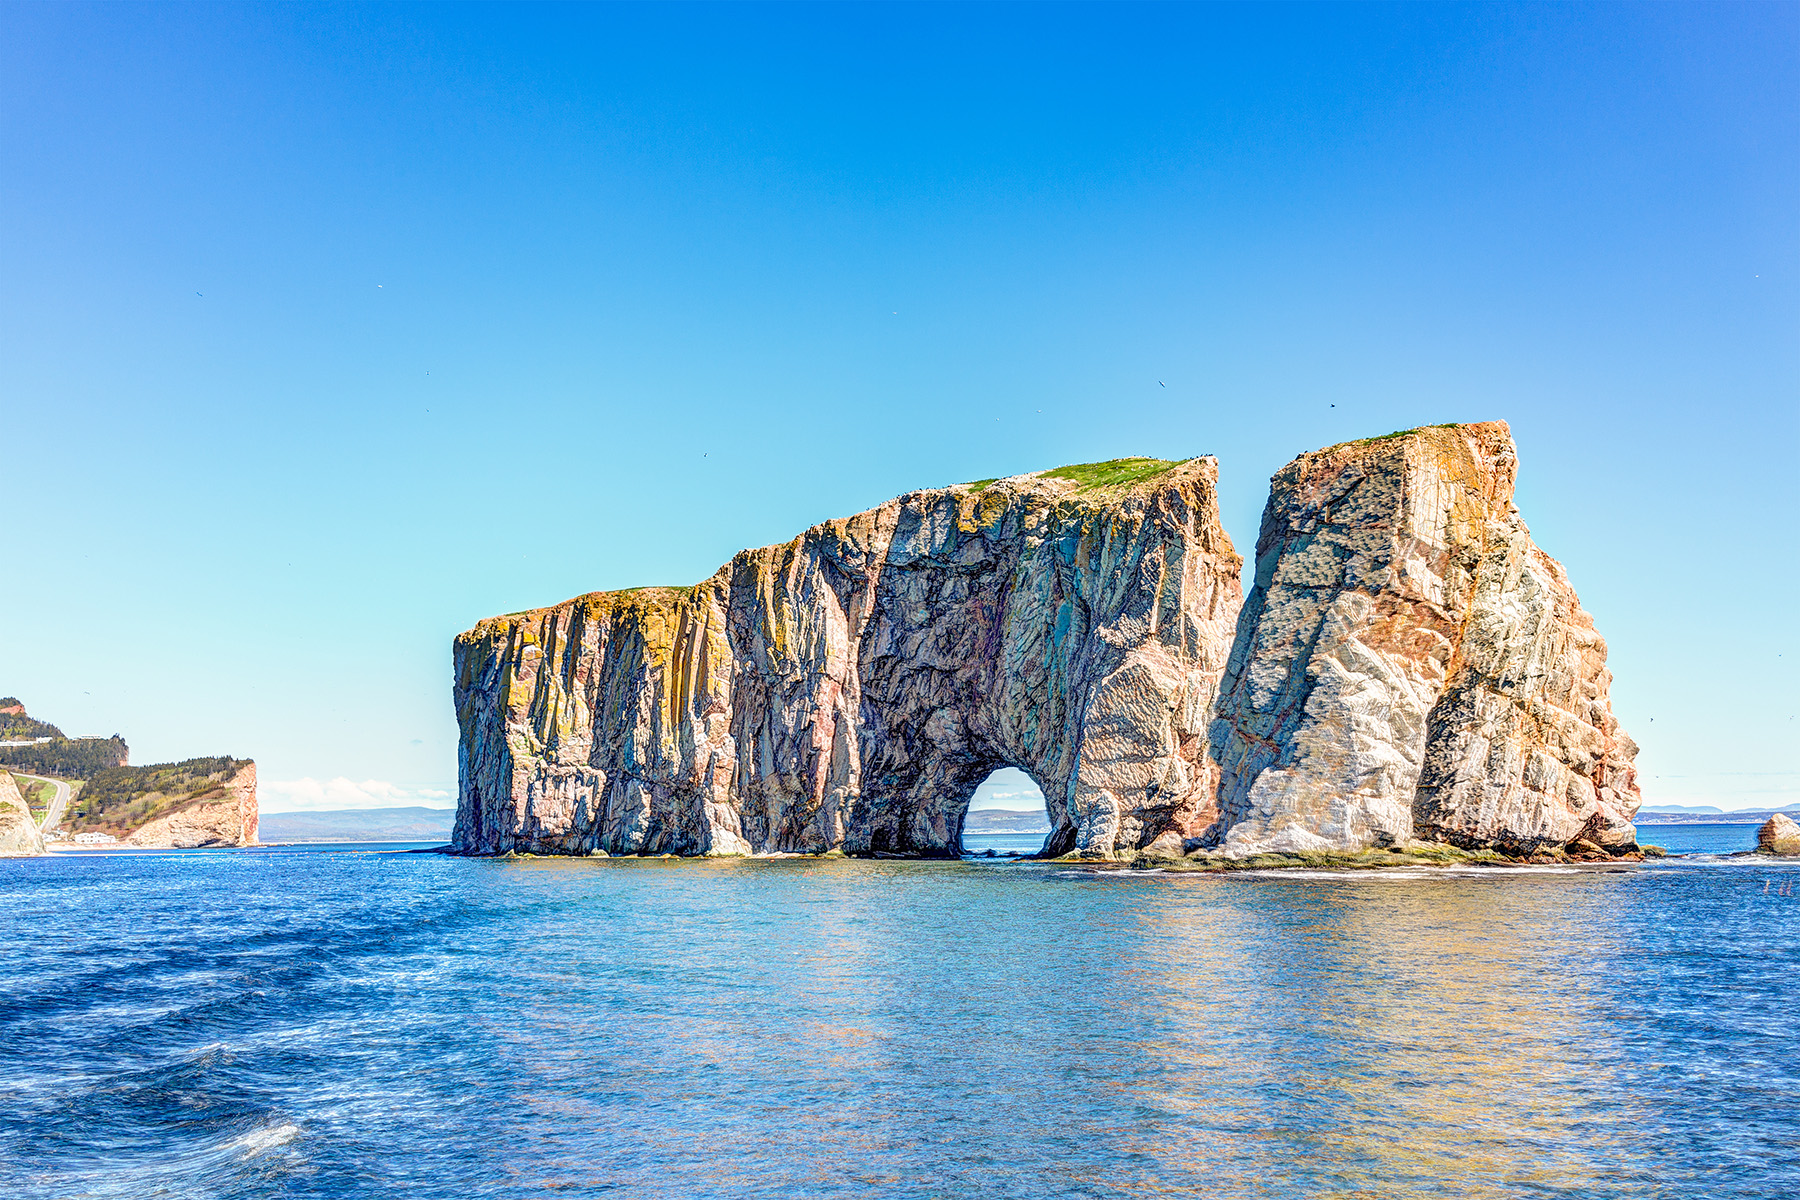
{"x": 347, "y": 1023}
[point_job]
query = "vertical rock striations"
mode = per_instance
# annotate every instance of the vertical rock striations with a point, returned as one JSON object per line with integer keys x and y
{"x": 1409, "y": 664}
{"x": 850, "y": 689}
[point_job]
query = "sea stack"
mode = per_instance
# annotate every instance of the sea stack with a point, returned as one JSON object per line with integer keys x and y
{"x": 850, "y": 689}
{"x": 1410, "y": 665}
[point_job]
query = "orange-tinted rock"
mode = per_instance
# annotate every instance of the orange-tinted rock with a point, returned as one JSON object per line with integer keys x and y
{"x": 1779, "y": 835}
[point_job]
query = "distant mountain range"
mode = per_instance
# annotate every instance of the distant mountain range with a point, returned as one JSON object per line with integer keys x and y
{"x": 1706, "y": 814}
{"x": 1006, "y": 820}
{"x": 415, "y": 824}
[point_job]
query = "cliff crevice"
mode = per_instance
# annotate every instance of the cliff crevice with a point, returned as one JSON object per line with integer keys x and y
{"x": 1408, "y": 665}
{"x": 850, "y": 689}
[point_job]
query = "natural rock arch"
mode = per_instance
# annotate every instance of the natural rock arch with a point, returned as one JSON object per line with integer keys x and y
{"x": 1409, "y": 665}
{"x": 850, "y": 689}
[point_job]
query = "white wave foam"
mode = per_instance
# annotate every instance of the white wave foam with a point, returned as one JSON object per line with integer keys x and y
{"x": 266, "y": 1138}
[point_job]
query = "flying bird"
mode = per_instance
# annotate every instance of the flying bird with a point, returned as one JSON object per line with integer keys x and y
{"x": 1160, "y": 383}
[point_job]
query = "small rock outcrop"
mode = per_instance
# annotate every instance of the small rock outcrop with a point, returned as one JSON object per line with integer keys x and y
{"x": 850, "y": 689}
{"x": 1410, "y": 665}
{"x": 19, "y": 834}
{"x": 223, "y": 816}
{"x": 1779, "y": 835}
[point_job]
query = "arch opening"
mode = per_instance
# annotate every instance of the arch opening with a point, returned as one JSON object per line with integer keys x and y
{"x": 1006, "y": 817}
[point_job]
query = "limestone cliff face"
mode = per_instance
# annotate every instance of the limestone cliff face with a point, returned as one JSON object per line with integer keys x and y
{"x": 19, "y": 835}
{"x": 850, "y": 689}
{"x": 1409, "y": 664}
{"x": 224, "y": 816}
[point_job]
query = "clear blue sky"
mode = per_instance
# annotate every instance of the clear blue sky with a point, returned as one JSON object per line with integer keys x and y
{"x": 325, "y": 332}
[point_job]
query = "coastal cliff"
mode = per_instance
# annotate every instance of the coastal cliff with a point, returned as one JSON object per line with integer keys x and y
{"x": 850, "y": 689}
{"x": 195, "y": 802}
{"x": 224, "y": 814}
{"x": 1408, "y": 667}
{"x": 1409, "y": 664}
{"x": 19, "y": 834}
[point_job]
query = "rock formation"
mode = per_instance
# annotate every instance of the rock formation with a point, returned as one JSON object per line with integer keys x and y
{"x": 1779, "y": 835}
{"x": 850, "y": 689}
{"x": 1409, "y": 665}
{"x": 19, "y": 834}
{"x": 223, "y": 816}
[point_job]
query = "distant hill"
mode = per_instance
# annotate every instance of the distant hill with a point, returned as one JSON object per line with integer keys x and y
{"x": 16, "y": 726}
{"x": 110, "y": 796}
{"x": 1706, "y": 814}
{"x": 415, "y": 824}
{"x": 1006, "y": 820}
{"x": 67, "y": 758}
{"x": 117, "y": 800}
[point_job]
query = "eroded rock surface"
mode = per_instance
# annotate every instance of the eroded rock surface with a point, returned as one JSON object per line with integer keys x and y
{"x": 1779, "y": 835}
{"x": 19, "y": 834}
{"x": 224, "y": 816}
{"x": 1409, "y": 664}
{"x": 850, "y": 689}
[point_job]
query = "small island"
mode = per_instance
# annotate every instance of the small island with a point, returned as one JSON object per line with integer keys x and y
{"x": 1410, "y": 679}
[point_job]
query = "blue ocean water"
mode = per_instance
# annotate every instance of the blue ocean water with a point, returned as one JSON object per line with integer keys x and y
{"x": 1699, "y": 839}
{"x": 1001, "y": 843}
{"x": 339, "y": 1022}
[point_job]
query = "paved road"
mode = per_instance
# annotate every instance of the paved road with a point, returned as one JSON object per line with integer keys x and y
{"x": 60, "y": 801}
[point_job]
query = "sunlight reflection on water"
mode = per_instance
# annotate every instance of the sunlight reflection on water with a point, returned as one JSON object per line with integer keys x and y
{"x": 344, "y": 1023}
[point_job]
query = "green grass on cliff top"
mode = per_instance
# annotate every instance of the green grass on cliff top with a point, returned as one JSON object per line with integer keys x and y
{"x": 1114, "y": 472}
{"x": 1398, "y": 433}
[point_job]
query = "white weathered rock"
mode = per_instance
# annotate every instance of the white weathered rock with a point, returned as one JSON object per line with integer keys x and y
{"x": 19, "y": 833}
{"x": 850, "y": 689}
{"x": 1410, "y": 664}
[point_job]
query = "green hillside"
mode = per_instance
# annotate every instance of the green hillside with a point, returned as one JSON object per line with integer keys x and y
{"x": 117, "y": 798}
{"x": 16, "y": 726}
